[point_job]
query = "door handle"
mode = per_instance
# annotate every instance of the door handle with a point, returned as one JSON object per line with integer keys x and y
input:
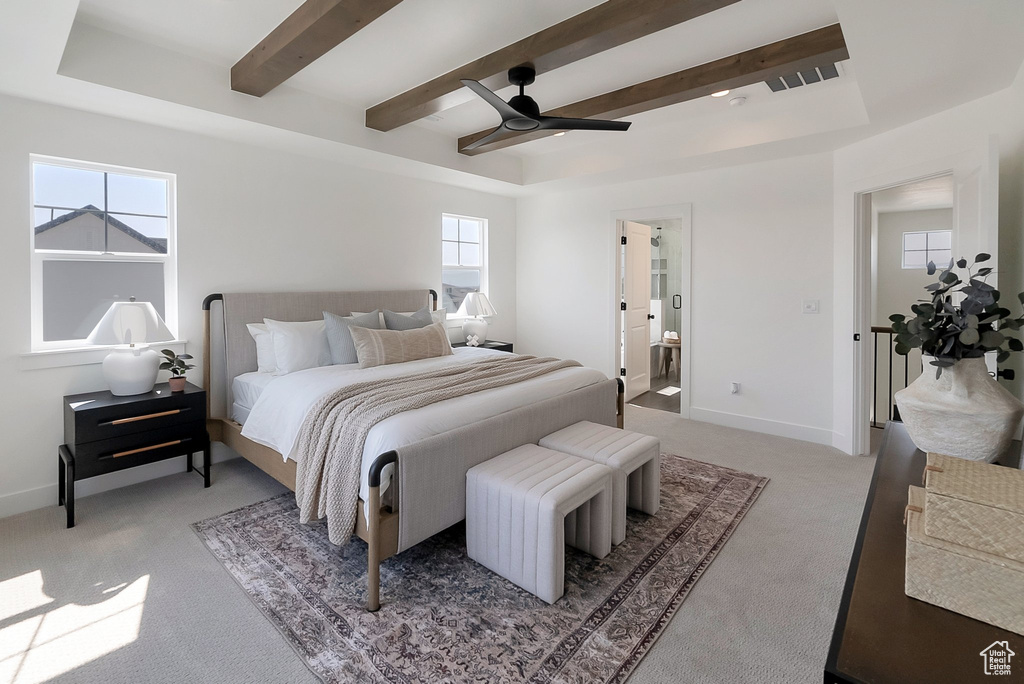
{"x": 650, "y": 317}
{"x": 680, "y": 299}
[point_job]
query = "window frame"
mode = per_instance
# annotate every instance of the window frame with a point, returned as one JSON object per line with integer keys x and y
{"x": 927, "y": 249}
{"x": 483, "y": 256}
{"x": 38, "y": 257}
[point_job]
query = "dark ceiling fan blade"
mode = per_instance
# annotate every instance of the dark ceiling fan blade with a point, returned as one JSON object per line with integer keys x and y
{"x": 506, "y": 110}
{"x": 497, "y": 134}
{"x": 552, "y": 123}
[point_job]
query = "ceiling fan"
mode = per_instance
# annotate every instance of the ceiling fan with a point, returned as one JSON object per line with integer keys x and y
{"x": 522, "y": 113}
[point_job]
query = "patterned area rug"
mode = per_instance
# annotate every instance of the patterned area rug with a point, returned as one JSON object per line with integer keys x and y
{"x": 444, "y": 618}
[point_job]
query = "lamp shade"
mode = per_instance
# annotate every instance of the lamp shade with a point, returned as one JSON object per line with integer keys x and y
{"x": 477, "y": 304}
{"x": 130, "y": 323}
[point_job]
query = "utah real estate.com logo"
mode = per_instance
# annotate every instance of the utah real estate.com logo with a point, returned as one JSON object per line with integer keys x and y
{"x": 997, "y": 658}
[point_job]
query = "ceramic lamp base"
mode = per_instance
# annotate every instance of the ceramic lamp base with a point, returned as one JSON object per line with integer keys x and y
{"x": 131, "y": 370}
{"x": 475, "y": 331}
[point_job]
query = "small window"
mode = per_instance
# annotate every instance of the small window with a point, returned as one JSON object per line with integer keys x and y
{"x": 100, "y": 234}
{"x": 923, "y": 246}
{"x": 463, "y": 259}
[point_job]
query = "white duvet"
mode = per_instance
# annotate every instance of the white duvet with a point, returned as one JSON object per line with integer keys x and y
{"x": 278, "y": 414}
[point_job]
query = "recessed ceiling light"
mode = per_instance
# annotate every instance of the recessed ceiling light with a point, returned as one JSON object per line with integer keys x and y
{"x": 720, "y": 93}
{"x": 558, "y": 134}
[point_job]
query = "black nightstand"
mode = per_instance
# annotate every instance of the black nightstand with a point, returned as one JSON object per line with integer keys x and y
{"x": 104, "y": 433}
{"x": 489, "y": 344}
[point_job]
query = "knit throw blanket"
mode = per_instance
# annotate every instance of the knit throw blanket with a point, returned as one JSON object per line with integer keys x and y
{"x": 333, "y": 433}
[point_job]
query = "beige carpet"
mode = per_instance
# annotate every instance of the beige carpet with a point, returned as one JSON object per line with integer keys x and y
{"x": 132, "y": 595}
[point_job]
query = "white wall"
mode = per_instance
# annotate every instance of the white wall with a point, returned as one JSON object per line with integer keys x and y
{"x": 248, "y": 218}
{"x": 896, "y": 288}
{"x": 762, "y": 242}
{"x": 911, "y": 151}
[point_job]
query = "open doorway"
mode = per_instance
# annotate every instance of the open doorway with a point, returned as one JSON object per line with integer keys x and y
{"x": 911, "y": 224}
{"x": 975, "y": 180}
{"x": 653, "y": 284}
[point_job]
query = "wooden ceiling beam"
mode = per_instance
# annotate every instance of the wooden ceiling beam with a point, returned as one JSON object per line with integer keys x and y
{"x": 600, "y": 28}
{"x": 806, "y": 51}
{"x": 310, "y": 32}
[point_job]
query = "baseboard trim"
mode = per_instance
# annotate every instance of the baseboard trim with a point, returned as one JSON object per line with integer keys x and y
{"x": 843, "y": 442}
{"x": 770, "y": 427}
{"x": 46, "y": 495}
{"x": 28, "y": 500}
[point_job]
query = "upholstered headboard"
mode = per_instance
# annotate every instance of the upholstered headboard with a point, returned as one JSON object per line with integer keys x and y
{"x": 231, "y": 351}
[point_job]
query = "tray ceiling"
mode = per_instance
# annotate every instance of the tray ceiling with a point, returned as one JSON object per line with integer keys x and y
{"x": 177, "y": 55}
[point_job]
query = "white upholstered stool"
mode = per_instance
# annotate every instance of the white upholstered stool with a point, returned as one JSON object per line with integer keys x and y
{"x": 524, "y": 506}
{"x": 634, "y": 458}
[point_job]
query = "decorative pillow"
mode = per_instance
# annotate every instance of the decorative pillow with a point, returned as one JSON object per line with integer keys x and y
{"x": 383, "y": 347}
{"x": 397, "y": 321}
{"x": 439, "y": 316}
{"x": 340, "y": 339}
{"x": 298, "y": 346}
{"x": 266, "y": 361}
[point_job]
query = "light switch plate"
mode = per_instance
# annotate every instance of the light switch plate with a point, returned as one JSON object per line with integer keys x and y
{"x": 811, "y": 306}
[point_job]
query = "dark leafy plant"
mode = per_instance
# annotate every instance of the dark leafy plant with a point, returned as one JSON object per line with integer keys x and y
{"x": 176, "y": 363}
{"x": 960, "y": 321}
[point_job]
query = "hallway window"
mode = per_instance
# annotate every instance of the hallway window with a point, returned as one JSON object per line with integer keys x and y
{"x": 923, "y": 246}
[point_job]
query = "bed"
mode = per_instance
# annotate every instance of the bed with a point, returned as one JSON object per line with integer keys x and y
{"x": 412, "y": 483}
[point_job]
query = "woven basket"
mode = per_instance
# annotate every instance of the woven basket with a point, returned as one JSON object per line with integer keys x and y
{"x": 961, "y": 579}
{"x": 975, "y": 504}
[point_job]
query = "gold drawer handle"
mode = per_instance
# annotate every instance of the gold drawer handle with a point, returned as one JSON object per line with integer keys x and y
{"x": 148, "y": 416}
{"x": 149, "y": 448}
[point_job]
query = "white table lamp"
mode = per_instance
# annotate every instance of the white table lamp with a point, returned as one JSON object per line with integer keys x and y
{"x": 478, "y": 306}
{"x": 131, "y": 367}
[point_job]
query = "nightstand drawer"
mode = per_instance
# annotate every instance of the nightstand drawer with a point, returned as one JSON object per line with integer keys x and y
{"x": 127, "y": 451}
{"x": 117, "y": 420}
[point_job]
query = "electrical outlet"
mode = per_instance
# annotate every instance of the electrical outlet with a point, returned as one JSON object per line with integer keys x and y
{"x": 734, "y": 388}
{"x": 810, "y": 306}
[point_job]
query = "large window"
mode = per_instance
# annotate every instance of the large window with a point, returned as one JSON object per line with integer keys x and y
{"x": 920, "y": 247}
{"x": 463, "y": 259}
{"x": 100, "y": 234}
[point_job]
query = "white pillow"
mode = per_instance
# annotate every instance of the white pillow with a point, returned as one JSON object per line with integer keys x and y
{"x": 298, "y": 346}
{"x": 439, "y": 316}
{"x": 266, "y": 360}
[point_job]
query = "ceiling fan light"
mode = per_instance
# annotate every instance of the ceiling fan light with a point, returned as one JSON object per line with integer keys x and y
{"x": 521, "y": 123}
{"x": 720, "y": 93}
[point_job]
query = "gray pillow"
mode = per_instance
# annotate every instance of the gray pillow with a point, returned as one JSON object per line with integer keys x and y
{"x": 339, "y": 337}
{"x": 397, "y": 321}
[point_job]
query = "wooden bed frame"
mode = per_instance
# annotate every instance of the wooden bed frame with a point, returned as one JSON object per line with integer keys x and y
{"x": 379, "y": 529}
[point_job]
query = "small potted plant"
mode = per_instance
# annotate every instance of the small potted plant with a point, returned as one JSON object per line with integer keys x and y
{"x": 177, "y": 364}
{"x": 959, "y": 409}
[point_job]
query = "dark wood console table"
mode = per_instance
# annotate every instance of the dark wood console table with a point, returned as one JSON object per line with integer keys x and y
{"x": 881, "y": 634}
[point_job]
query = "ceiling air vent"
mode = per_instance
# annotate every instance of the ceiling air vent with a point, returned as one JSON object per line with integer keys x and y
{"x": 807, "y": 77}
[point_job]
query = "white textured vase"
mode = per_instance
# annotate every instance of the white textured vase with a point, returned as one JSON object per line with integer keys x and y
{"x": 964, "y": 413}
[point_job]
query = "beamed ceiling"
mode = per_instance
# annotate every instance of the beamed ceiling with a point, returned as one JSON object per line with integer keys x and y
{"x": 377, "y": 83}
{"x": 318, "y": 26}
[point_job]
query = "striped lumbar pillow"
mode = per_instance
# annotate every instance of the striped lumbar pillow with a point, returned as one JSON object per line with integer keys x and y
{"x": 383, "y": 347}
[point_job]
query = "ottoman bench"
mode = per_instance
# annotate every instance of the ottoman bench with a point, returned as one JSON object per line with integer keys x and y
{"x": 523, "y": 506}
{"x": 635, "y": 460}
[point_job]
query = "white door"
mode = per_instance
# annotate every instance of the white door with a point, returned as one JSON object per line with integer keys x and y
{"x": 637, "y": 295}
{"x": 976, "y": 212}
